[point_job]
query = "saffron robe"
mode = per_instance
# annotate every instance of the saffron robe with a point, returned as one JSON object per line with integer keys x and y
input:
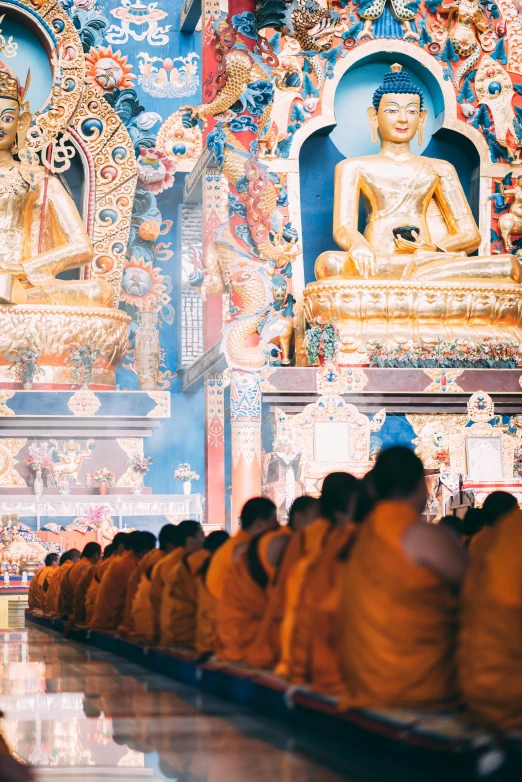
{"x": 149, "y": 560}
{"x": 315, "y": 537}
{"x": 206, "y": 615}
{"x": 222, "y": 562}
{"x": 69, "y": 584}
{"x": 319, "y": 610}
{"x": 481, "y": 541}
{"x": 158, "y": 577}
{"x": 39, "y": 586}
{"x": 142, "y": 618}
{"x": 92, "y": 590}
{"x": 110, "y": 600}
{"x": 244, "y": 601}
{"x": 179, "y": 602}
{"x": 80, "y": 595}
{"x": 55, "y": 584}
{"x": 399, "y": 620}
{"x": 490, "y": 643}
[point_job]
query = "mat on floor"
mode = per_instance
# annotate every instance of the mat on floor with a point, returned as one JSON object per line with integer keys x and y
{"x": 428, "y": 737}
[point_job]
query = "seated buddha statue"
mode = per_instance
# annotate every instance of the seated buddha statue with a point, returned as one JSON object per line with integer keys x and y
{"x": 419, "y": 225}
{"x": 41, "y": 232}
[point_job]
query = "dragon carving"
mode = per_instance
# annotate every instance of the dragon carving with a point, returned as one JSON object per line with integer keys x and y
{"x": 242, "y": 82}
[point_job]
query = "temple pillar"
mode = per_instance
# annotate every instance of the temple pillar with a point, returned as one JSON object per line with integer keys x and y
{"x": 215, "y": 448}
{"x": 245, "y": 419}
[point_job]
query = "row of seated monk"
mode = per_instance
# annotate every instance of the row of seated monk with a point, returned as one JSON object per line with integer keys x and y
{"x": 357, "y": 598}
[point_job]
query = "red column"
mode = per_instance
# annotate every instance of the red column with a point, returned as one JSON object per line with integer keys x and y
{"x": 245, "y": 419}
{"x": 215, "y": 448}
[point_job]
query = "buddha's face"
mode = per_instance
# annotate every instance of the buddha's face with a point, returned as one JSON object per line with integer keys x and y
{"x": 398, "y": 118}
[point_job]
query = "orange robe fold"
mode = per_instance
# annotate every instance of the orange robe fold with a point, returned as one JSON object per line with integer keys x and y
{"x": 69, "y": 585}
{"x": 206, "y": 616}
{"x": 92, "y": 590}
{"x": 142, "y": 618}
{"x": 490, "y": 643}
{"x": 244, "y": 601}
{"x": 55, "y": 584}
{"x": 222, "y": 562}
{"x": 481, "y": 541}
{"x": 158, "y": 577}
{"x": 179, "y": 602}
{"x": 149, "y": 560}
{"x": 314, "y": 538}
{"x": 80, "y": 595}
{"x": 110, "y": 599}
{"x": 399, "y": 620}
{"x": 38, "y": 588}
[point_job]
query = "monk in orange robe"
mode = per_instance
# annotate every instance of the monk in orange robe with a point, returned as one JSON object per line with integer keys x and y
{"x": 166, "y": 535}
{"x": 244, "y": 599}
{"x": 189, "y": 538}
{"x": 142, "y": 614}
{"x": 265, "y": 650}
{"x": 496, "y": 505}
{"x": 323, "y": 540}
{"x": 180, "y": 595}
{"x": 80, "y": 593}
{"x": 110, "y": 600}
{"x": 91, "y": 554}
{"x": 490, "y": 644}
{"x": 40, "y": 584}
{"x": 119, "y": 545}
{"x": 398, "y": 611}
{"x": 252, "y": 524}
{"x": 67, "y": 560}
{"x": 206, "y": 611}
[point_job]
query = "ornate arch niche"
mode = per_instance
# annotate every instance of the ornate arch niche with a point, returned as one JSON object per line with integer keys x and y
{"x": 100, "y": 138}
{"x": 444, "y": 101}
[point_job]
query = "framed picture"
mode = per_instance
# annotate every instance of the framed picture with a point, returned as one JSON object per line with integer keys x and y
{"x": 484, "y": 458}
{"x": 331, "y": 441}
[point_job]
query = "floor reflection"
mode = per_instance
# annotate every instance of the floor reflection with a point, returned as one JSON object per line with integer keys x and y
{"x": 68, "y": 707}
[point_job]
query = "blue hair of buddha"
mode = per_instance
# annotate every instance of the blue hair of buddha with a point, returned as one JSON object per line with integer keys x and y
{"x": 396, "y": 82}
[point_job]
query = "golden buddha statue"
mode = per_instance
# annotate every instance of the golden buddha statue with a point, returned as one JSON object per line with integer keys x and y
{"x": 409, "y": 277}
{"x": 41, "y": 232}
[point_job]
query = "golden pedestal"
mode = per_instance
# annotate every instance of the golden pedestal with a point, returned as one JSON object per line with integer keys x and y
{"x": 52, "y": 329}
{"x": 392, "y": 312}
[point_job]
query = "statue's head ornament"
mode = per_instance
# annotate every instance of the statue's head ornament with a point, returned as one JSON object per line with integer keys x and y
{"x": 11, "y": 87}
{"x": 396, "y": 82}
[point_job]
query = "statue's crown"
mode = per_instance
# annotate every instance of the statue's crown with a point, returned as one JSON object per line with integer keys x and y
{"x": 10, "y": 86}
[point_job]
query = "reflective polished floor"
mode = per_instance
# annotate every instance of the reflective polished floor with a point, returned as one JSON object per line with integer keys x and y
{"x": 77, "y": 713}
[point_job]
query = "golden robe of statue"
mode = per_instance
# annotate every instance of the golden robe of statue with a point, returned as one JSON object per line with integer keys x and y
{"x": 41, "y": 232}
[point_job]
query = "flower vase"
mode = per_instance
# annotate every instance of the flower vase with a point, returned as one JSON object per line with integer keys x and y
{"x": 147, "y": 353}
{"x": 138, "y": 483}
{"x": 102, "y": 486}
{"x": 38, "y": 483}
{"x": 28, "y": 384}
{"x": 187, "y": 487}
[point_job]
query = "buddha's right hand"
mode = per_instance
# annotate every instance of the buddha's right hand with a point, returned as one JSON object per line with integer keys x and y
{"x": 363, "y": 258}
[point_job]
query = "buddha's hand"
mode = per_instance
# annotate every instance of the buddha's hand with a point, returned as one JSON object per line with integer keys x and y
{"x": 363, "y": 258}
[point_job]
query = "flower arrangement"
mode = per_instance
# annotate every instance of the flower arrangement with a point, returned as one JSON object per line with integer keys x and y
{"x": 97, "y": 514}
{"x": 460, "y": 353}
{"x": 184, "y": 473}
{"x": 103, "y": 475}
{"x": 140, "y": 464}
{"x": 25, "y": 365}
{"x": 83, "y": 360}
{"x": 517, "y": 462}
{"x": 42, "y": 456}
{"x": 442, "y": 456}
{"x": 321, "y": 341}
